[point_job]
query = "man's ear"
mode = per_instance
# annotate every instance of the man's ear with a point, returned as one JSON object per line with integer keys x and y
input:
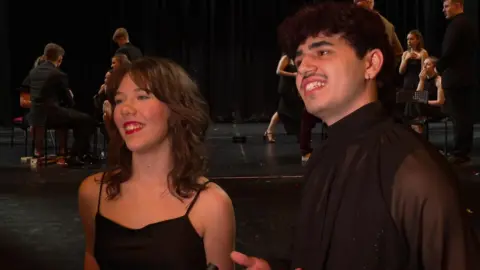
{"x": 373, "y": 63}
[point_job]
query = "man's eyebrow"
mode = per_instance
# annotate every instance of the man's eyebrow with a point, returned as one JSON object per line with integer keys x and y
{"x": 320, "y": 44}
{"x": 315, "y": 45}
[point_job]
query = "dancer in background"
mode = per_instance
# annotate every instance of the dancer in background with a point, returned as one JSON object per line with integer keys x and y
{"x": 307, "y": 124}
{"x": 290, "y": 104}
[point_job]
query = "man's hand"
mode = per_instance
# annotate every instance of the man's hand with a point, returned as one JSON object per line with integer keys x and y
{"x": 251, "y": 263}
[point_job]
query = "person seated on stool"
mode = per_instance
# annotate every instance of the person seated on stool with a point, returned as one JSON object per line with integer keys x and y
{"x": 49, "y": 88}
{"x": 431, "y": 82}
{"x": 101, "y": 96}
{"x": 100, "y": 99}
{"x": 61, "y": 133}
{"x": 118, "y": 60}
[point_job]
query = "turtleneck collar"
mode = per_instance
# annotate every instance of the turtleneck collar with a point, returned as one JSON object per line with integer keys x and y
{"x": 358, "y": 122}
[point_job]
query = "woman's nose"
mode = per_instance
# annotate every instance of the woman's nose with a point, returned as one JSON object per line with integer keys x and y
{"x": 128, "y": 109}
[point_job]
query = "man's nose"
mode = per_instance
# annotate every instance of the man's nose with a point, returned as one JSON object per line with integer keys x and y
{"x": 307, "y": 67}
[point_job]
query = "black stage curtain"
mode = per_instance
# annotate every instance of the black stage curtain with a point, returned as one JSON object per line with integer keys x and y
{"x": 228, "y": 46}
{"x": 5, "y": 91}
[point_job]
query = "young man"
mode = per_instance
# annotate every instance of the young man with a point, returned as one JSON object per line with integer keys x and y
{"x": 122, "y": 38}
{"x": 51, "y": 106}
{"x": 376, "y": 195}
{"x": 457, "y": 68}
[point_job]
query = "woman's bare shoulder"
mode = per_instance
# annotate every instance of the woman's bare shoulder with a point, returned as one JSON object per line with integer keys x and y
{"x": 90, "y": 187}
{"x": 214, "y": 196}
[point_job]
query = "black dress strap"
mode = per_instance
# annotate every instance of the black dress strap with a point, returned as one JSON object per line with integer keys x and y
{"x": 195, "y": 198}
{"x": 100, "y": 192}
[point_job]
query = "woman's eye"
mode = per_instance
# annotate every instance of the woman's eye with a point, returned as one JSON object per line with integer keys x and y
{"x": 143, "y": 97}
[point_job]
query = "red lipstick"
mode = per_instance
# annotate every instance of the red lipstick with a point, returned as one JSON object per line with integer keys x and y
{"x": 132, "y": 127}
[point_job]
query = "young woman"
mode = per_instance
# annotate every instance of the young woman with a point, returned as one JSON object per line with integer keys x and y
{"x": 290, "y": 105}
{"x": 153, "y": 208}
{"x": 412, "y": 60}
{"x": 431, "y": 82}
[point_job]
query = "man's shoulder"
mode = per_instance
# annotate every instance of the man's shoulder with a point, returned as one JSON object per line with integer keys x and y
{"x": 416, "y": 151}
{"x": 387, "y": 23}
{"x": 61, "y": 73}
{"x": 409, "y": 137}
{"x": 399, "y": 141}
{"x": 56, "y": 74}
{"x": 121, "y": 49}
{"x": 460, "y": 21}
{"x": 423, "y": 174}
{"x": 136, "y": 52}
{"x": 42, "y": 71}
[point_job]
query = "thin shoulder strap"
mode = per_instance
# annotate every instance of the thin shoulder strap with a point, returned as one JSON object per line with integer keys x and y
{"x": 195, "y": 198}
{"x": 100, "y": 192}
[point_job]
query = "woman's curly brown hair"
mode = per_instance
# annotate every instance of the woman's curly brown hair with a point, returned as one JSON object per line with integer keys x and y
{"x": 187, "y": 125}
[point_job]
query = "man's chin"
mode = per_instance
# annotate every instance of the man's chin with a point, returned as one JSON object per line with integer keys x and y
{"x": 315, "y": 110}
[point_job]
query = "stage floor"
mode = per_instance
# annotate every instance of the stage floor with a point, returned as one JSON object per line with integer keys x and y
{"x": 40, "y": 227}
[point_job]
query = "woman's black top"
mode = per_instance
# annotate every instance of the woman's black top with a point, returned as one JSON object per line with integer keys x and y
{"x": 169, "y": 244}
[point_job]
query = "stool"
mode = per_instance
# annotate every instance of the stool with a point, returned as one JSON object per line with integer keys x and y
{"x": 20, "y": 123}
{"x": 46, "y": 132}
{"x": 98, "y": 126}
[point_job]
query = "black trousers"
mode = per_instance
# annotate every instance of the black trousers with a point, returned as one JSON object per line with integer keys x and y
{"x": 458, "y": 105}
{"x": 308, "y": 123}
{"x": 82, "y": 124}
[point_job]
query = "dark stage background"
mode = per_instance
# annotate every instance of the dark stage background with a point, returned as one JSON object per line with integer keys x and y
{"x": 228, "y": 46}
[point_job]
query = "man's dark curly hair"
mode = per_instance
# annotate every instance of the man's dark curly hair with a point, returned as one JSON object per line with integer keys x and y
{"x": 363, "y": 29}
